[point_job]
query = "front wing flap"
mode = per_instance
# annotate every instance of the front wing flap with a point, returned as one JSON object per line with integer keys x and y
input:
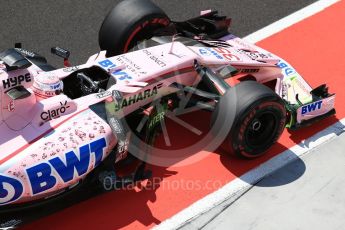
{"x": 306, "y": 111}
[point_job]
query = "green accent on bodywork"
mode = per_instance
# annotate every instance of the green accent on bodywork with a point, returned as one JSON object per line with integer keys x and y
{"x": 292, "y": 109}
{"x": 292, "y": 78}
{"x": 292, "y": 122}
{"x": 156, "y": 117}
{"x": 294, "y": 81}
{"x": 110, "y": 106}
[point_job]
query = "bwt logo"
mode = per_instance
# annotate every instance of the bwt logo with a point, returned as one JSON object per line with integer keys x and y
{"x": 287, "y": 70}
{"x": 42, "y": 176}
{"x": 45, "y": 175}
{"x": 311, "y": 107}
{"x": 11, "y": 189}
{"x": 109, "y": 64}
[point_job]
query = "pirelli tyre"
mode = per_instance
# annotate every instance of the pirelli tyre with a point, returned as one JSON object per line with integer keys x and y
{"x": 129, "y": 22}
{"x": 259, "y": 119}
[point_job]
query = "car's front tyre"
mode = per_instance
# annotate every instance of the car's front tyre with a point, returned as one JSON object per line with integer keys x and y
{"x": 258, "y": 122}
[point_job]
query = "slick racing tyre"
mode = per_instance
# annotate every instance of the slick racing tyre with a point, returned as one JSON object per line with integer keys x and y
{"x": 259, "y": 119}
{"x": 128, "y": 23}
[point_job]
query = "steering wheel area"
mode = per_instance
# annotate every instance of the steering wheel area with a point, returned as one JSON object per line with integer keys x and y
{"x": 86, "y": 81}
{"x": 87, "y": 85}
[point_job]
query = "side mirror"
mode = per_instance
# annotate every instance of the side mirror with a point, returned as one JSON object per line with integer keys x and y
{"x": 62, "y": 53}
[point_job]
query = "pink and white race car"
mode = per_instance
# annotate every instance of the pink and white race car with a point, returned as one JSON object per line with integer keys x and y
{"x": 61, "y": 129}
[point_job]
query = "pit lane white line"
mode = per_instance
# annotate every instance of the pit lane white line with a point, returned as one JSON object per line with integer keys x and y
{"x": 289, "y": 20}
{"x": 239, "y": 186}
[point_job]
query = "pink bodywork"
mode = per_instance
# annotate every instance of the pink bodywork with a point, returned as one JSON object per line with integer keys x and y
{"x": 31, "y": 135}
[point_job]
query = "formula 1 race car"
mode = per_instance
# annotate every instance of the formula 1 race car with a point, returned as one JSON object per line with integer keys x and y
{"x": 64, "y": 129}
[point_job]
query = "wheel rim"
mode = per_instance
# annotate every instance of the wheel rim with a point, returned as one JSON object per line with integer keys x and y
{"x": 261, "y": 131}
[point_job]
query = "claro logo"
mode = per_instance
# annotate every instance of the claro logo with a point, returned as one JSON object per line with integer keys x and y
{"x": 55, "y": 113}
{"x": 11, "y": 189}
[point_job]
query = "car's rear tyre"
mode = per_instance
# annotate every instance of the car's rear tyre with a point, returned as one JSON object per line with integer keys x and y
{"x": 259, "y": 120}
{"x": 129, "y": 22}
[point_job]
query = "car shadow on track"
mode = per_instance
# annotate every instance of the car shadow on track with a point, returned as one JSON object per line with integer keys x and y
{"x": 284, "y": 173}
{"x": 237, "y": 166}
{"x": 110, "y": 210}
{"x": 298, "y": 136}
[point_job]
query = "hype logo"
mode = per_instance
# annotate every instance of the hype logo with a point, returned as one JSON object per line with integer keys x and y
{"x": 11, "y": 189}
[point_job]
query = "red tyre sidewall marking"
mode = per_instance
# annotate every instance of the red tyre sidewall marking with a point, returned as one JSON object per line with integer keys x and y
{"x": 155, "y": 21}
{"x": 249, "y": 118}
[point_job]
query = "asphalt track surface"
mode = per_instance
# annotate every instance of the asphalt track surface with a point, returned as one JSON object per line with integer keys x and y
{"x": 74, "y": 25}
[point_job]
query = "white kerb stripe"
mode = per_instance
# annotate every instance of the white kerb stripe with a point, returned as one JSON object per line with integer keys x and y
{"x": 293, "y": 18}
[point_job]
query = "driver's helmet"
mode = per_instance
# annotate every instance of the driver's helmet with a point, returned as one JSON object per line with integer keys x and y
{"x": 47, "y": 85}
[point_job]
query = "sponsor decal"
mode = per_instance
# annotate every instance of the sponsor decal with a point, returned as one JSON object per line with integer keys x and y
{"x": 286, "y": 68}
{"x": 14, "y": 81}
{"x": 253, "y": 54}
{"x": 295, "y": 81}
{"x": 137, "y": 97}
{"x": 162, "y": 21}
{"x": 285, "y": 91}
{"x": 42, "y": 177}
{"x": 249, "y": 70}
{"x": 117, "y": 95}
{"x": 154, "y": 58}
{"x": 44, "y": 93}
{"x": 156, "y": 119}
{"x": 116, "y": 125}
{"x": 123, "y": 138}
{"x": 130, "y": 62}
{"x": 239, "y": 42}
{"x": 103, "y": 94}
{"x": 11, "y": 224}
{"x": 11, "y": 189}
{"x": 227, "y": 54}
{"x": 311, "y": 107}
{"x": 55, "y": 113}
{"x": 131, "y": 66}
{"x": 120, "y": 74}
{"x": 45, "y": 175}
{"x": 70, "y": 69}
{"x": 209, "y": 52}
{"x": 122, "y": 148}
{"x": 10, "y": 107}
{"x": 56, "y": 86}
{"x": 26, "y": 52}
